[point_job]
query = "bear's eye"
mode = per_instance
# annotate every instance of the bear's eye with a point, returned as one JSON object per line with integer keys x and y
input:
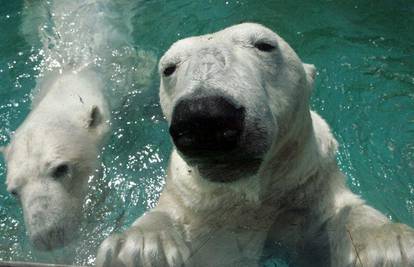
{"x": 263, "y": 46}
{"x": 168, "y": 71}
{"x": 60, "y": 171}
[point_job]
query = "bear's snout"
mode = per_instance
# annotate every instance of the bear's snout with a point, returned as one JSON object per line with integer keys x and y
{"x": 206, "y": 126}
{"x": 49, "y": 239}
{"x": 49, "y": 230}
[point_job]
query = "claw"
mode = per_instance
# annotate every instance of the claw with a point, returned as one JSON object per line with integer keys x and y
{"x": 108, "y": 251}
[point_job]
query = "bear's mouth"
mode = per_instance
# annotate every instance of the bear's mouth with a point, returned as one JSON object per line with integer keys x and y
{"x": 227, "y": 171}
{"x": 55, "y": 235}
{"x": 50, "y": 239}
{"x": 50, "y": 226}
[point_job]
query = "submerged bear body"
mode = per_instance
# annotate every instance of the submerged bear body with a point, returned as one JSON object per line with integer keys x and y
{"x": 54, "y": 152}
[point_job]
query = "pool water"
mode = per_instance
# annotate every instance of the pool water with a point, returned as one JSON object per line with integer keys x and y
{"x": 364, "y": 53}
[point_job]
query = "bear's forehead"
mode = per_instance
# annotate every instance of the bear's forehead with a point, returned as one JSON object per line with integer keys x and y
{"x": 246, "y": 29}
{"x": 44, "y": 143}
{"x": 240, "y": 32}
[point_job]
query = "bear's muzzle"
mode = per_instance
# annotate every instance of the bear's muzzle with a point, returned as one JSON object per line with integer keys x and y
{"x": 206, "y": 126}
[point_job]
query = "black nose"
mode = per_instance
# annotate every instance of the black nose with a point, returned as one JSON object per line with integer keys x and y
{"x": 206, "y": 125}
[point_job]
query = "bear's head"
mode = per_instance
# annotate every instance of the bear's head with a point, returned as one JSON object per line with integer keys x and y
{"x": 234, "y": 97}
{"x": 48, "y": 168}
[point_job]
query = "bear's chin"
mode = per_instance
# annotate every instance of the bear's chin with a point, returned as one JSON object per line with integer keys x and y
{"x": 50, "y": 229}
{"x": 53, "y": 238}
{"x": 220, "y": 172}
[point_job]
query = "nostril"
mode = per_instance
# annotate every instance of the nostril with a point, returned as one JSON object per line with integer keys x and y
{"x": 14, "y": 193}
{"x": 13, "y": 190}
{"x": 230, "y": 133}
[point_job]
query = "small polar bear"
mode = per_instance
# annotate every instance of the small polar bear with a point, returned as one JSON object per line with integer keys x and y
{"x": 54, "y": 152}
{"x": 251, "y": 165}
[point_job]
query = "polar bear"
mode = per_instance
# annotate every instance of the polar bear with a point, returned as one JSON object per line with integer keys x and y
{"x": 86, "y": 58}
{"x": 54, "y": 152}
{"x": 251, "y": 165}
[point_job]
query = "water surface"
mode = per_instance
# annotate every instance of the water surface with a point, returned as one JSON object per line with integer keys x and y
{"x": 364, "y": 53}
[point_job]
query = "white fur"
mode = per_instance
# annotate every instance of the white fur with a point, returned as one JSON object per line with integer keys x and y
{"x": 86, "y": 59}
{"x": 69, "y": 120}
{"x": 296, "y": 200}
{"x": 68, "y": 125}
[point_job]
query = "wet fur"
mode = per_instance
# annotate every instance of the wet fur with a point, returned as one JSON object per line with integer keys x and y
{"x": 296, "y": 200}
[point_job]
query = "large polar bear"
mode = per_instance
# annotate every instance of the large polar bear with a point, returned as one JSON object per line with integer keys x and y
{"x": 251, "y": 164}
{"x": 54, "y": 152}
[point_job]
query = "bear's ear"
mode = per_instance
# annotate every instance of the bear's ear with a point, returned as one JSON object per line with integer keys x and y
{"x": 94, "y": 117}
{"x": 310, "y": 74}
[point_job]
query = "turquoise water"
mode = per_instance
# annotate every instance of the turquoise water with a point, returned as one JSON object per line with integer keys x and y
{"x": 364, "y": 53}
